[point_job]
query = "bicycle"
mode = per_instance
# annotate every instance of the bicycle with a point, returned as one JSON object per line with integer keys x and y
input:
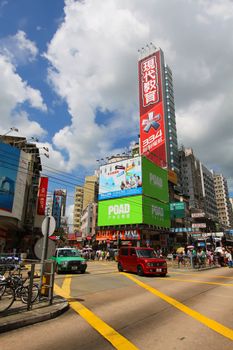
{"x": 7, "y": 295}
{"x": 21, "y": 290}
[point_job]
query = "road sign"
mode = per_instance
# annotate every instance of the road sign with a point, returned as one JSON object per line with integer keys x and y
{"x": 38, "y": 248}
{"x": 48, "y": 225}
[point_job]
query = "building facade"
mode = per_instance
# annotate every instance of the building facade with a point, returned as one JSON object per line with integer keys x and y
{"x": 223, "y": 203}
{"x": 197, "y": 182}
{"x": 78, "y": 208}
{"x": 19, "y": 183}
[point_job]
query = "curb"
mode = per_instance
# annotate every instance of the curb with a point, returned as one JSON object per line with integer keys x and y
{"x": 26, "y": 321}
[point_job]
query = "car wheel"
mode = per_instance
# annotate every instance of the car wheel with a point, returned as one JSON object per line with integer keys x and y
{"x": 163, "y": 275}
{"x": 120, "y": 268}
{"x": 83, "y": 271}
{"x": 140, "y": 271}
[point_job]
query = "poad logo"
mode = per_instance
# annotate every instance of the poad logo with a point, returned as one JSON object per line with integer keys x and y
{"x": 157, "y": 212}
{"x": 119, "y": 211}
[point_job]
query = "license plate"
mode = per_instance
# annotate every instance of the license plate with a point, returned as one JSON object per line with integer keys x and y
{"x": 159, "y": 270}
{"x": 73, "y": 268}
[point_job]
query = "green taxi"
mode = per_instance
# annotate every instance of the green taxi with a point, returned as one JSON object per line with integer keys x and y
{"x": 69, "y": 260}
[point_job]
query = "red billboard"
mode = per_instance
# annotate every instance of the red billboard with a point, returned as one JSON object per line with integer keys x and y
{"x": 152, "y": 128}
{"x": 42, "y": 194}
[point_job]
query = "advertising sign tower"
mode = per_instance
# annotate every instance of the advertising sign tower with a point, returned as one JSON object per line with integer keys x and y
{"x": 152, "y": 108}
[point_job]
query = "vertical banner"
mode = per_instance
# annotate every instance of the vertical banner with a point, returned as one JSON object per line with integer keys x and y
{"x": 41, "y": 204}
{"x": 152, "y": 124}
{"x": 57, "y": 207}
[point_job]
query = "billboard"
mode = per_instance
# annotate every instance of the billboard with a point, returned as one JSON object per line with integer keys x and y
{"x": 133, "y": 210}
{"x": 152, "y": 124}
{"x": 155, "y": 181}
{"x": 9, "y": 163}
{"x": 177, "y": 210}
{"x": 121, "y": 211}
{"x": 156, "y": 213}
{"x": 120, "y": 179}
{"x": 59, "y": 203}
{"x": 42, "y": 194}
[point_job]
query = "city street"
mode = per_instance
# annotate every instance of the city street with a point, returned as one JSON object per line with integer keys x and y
{"x": 108, "y": 309}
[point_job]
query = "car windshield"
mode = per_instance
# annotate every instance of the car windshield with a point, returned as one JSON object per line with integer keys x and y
{"x": 68, "y": 252}
{"x": 146, "y": 253}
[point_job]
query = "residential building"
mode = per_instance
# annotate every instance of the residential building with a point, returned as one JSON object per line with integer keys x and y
{"x": 197, "y": 182}
{"x": 85, "y": 211}
{"x": 78, "y": 208}
{"x": 90, "y": 190}
{"x": 222, "y": 198}
{"x": 88, "y": 221}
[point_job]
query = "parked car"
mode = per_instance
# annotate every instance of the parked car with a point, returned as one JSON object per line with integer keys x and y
{"x": 142, "y": 261}
{"x": 69, "y": 260}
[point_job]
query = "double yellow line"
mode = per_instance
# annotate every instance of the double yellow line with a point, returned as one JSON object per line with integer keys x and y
{"x": 116, "y": 339}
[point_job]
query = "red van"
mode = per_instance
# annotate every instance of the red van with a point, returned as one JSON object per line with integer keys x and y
{"x": 141, "y": 260}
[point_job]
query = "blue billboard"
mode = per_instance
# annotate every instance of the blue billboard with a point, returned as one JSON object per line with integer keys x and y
{"x": 120, "y": 179}
{"x": 9, "y": 163}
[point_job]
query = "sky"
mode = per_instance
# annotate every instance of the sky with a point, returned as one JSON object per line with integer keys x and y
{"x": 69, "y": 78}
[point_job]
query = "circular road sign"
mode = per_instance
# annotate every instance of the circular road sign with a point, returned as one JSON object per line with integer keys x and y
{"x": 48, "y": 220}
{"x": 38, "y": 248}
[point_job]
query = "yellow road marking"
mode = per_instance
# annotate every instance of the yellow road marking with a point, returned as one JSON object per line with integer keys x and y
{"x": 115, "y": 338}
{"x": 194, "y": 274}
{"x": 196, "y": 281}
{"x": 217, "y": 327}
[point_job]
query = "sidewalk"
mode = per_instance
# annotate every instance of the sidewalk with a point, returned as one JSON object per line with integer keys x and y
{"x": 18, "y": 316}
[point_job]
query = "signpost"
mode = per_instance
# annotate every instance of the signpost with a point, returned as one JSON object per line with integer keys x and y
{"x": 47, "y": 228}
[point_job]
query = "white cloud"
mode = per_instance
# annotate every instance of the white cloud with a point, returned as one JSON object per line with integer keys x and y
{"x": 93, "y": 66}
{"x": 13, "y": 93}
{"x": 18, "y": 48}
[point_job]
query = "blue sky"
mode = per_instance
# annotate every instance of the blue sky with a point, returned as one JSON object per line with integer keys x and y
{"x": 70, "y": 77}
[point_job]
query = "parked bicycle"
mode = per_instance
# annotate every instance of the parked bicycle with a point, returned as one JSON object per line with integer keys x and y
{"x": 14, "y": 287}
{"x": 7, "y": 295}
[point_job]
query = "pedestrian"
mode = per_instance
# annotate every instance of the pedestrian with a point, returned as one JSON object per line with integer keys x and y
{"x": 229, "y": 258}
{"x": 180, "y": 258}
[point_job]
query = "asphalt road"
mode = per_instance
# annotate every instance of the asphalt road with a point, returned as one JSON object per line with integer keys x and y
{"x": 110, "y": 310}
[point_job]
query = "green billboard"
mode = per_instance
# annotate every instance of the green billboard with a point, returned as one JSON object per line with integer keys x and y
{"x": 177, "y": 210}
{"x": 155, "y": 181}
{"x": 156, "y": 213}
{"x": 121, "y": 211}
{"x": 133, "y": 210}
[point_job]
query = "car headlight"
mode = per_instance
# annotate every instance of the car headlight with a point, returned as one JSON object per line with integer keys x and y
{"x": 64, "y": 263}
{"x": 150, "y": 264}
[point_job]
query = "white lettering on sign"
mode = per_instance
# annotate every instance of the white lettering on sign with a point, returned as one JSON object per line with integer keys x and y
{"x": 157, "y": 211}
{"x": 118, "y": 209}
{"x": 149, "y": 81}
{"x": 155, "y": 180}
{"x": 152, "y": 141}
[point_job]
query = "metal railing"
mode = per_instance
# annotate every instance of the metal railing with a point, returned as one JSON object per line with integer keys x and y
{"x": 29, "y": 277}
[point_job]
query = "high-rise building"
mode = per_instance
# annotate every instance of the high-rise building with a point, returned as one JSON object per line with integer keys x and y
{"x": 222, "y": 198}
{"x": 90, "y": 190}
{"x": 85, "y": 197}
{"x": 78, "y": 208}
{"x": 197, "y": 182}
{"x": 158, "y": 134}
